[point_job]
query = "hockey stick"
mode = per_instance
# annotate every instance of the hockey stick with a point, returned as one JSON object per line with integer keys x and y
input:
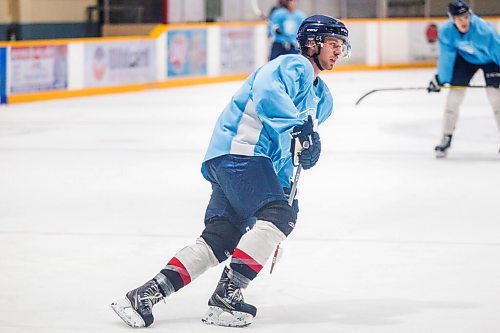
{"x": 293, "y": 190}
{"x": 256, "y": 10}
{"x": 412, "y": 88}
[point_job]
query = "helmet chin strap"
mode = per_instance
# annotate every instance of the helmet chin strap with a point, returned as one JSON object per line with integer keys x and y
{"x": 316, "y": 60}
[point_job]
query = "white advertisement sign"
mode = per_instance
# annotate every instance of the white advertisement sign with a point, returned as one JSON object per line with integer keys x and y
{"x": 422, "y": 37}
{"x": 38, "y": 68}
{"x": 236, "y": 54}
{"x": 119, "y": 63}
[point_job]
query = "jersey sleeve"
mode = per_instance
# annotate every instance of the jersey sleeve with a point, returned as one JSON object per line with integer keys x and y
{"x": 446, "y": 58}
{"x": 325, "y": 105}
{"x": 494, "y": 43}
{"x": 275, "y": 22}
{"x": 274, "y": 90}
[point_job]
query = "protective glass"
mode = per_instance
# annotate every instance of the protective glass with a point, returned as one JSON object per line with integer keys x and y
{"x": 339, "y": 42}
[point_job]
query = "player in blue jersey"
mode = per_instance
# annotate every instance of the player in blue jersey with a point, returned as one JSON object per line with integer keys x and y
{"x": 466, "y": 43}
{"x": 249, "y": 163}
{"x": 280, "y": 4}
{"x": 283, "y": 25}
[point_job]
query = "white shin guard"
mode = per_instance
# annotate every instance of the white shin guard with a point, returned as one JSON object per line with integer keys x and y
{"x": 453, "y": 102}
{"x": 494, "y": 98}
{"x": 197, "y": 258}
{"x": 260, "y": 242}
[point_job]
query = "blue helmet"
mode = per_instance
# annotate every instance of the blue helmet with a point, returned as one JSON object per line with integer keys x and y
{"x": 458, "y": 7}
{"x": 317, "y": 27}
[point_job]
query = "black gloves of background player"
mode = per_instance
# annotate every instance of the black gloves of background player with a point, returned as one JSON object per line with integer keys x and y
{"x": 434, "y": 85}
{"x": 306, "y": 145}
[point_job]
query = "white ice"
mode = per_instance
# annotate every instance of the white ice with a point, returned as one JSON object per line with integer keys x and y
{"x": 98, "y": 193}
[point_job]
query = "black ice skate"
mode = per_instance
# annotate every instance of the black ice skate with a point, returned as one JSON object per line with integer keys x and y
{"x": 136, "y": 308}
{"x": 227, "y": 306}
{"x": 442, "y": 148}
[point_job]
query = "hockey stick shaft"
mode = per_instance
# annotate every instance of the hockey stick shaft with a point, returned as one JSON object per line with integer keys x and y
{"x": 293, "y": 190}
{"x": 256, "y": 9}
{"x": 412, "y": 88}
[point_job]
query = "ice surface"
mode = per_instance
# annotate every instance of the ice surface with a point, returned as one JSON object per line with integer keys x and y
{"x": 97, "y": 194}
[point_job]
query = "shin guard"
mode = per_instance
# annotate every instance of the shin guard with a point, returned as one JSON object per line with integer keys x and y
{"x": 255, "y": 248}
{"x": 494, "y": 98}
{"x": 189, "y": 263}
{"x": 453, "y": 102}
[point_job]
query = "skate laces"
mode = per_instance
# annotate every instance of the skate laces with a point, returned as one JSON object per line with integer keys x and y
{"x": 151, "y": 295}
{"x": 233, "y": 293}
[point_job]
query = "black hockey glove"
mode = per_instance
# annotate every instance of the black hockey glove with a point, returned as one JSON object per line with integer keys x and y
{"x": 306, "y": 145}
{"x": 434, "y": 85}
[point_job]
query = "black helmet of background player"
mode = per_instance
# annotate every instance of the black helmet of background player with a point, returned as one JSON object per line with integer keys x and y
{"x": 316, "y": 28}
{"x": 460, "y": 13}
{"x": 456, "y": 8}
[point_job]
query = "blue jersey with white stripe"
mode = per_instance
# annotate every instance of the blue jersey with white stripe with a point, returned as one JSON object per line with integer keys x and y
{"x": 480, "y": 45}
{"x": 260, "y": 116}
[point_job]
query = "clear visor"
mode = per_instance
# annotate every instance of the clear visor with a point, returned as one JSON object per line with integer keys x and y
{"x": 339, "y": 42}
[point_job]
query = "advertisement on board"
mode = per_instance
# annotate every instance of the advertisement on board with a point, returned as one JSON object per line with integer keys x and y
{"x": 235, "y": 43}
{"x": 38, "y": 68}
{"x": 119, "y": 63}
{"x": 186, "y": 52}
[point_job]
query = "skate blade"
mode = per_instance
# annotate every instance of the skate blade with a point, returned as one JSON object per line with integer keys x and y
{"x": 441, "y": 154}
{"x": 219, "y": 317}
{"x": 124, "y": 310}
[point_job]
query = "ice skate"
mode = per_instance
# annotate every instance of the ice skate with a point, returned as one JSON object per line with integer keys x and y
{"x": 442, "y": 148}
{"x": 227, "y": 306}
{"x": 136, "y": 308}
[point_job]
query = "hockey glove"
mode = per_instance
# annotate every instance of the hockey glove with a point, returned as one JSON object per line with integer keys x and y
{"x": 306, "y": 145}
{"x": 310, "y": 156}
{"x": 434, "y": 85}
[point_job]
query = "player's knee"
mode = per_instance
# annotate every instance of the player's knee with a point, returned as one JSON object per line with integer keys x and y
{"x": 454, "y": 100}
{"x": 222, "y": 237}
{"x": 280, "y": 214}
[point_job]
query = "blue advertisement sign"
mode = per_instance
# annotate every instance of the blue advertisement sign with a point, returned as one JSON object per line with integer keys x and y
{"x": 187, "y": 52}
{"x": 3, "y": 75}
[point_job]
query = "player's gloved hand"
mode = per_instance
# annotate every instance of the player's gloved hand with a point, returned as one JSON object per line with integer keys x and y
{"x": 306, "y": 145}
{"x": 310, "y": 156}
{"x": 434, "y": 85}
{"x": 276, "y": 29}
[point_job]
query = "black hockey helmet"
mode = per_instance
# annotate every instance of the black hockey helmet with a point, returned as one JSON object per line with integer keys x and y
{"x": 458, "y": 7}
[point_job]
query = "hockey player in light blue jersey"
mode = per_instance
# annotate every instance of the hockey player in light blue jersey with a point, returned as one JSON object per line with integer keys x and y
{"x": 269, "y": 124}
{"x": 283, "y": 25}
{"x": 466, "y": 43}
